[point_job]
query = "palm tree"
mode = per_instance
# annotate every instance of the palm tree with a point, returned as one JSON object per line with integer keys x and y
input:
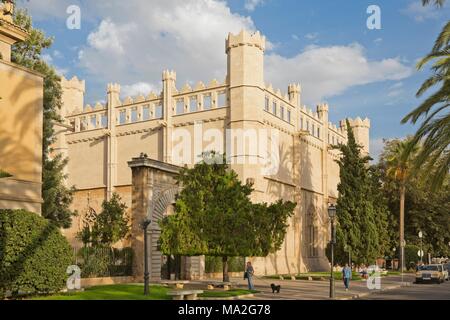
{"x": 434, "y": 131}
{"x": 400, "y": 167}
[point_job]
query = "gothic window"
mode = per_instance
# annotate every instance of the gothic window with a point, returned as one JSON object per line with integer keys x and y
{"x": 193, "y": 104}
{"x": 289, "y": 116}
{"x": 122, "y": 117}
{"x": 307, "y": 125}
{"x": 332, "y": 139}
{"x": 83, "y": 124}
{"x": 207, "y": 102}
{"x": 93, "y": 122}
{"x": 282, "y": 112}
{"x": 180, "y": 106}
{"x": 146, "y": 113}
{"x": 222, "y": 99}
{"x": 313, "y": 131}
{"x": 134, "y": 115}
{"x": 301, "y": 123}
{"x": 266, "y": 106}
{"x": 274, "y": 108}
{"x": 158, "y": 111}
{"x": 104, "y": 120}
{"x": 318, "y": 132}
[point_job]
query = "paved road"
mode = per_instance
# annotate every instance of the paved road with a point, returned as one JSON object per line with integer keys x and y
{"x": 315, "y": 290}
{"x": 423, "y": 291}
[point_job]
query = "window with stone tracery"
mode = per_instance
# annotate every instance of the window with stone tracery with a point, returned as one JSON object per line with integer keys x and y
{"x": 207, "y": 102}
{"x": 193, "y": 104}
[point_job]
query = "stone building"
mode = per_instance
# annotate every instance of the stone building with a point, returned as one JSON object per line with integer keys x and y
{"x": 21, "y": 107}
{"x": 271, "y": 139}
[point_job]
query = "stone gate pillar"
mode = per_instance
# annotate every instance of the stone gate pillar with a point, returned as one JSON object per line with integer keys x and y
{"x": 153, "y": 192}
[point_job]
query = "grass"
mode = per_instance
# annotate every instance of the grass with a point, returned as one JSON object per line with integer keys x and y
{"x": 226, "y": 294}
{"x": 113, "y": 292}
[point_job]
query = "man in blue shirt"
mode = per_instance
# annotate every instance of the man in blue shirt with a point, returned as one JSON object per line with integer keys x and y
{"x": 346, "y": 276}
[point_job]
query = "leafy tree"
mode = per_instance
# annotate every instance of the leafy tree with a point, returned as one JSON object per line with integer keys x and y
{"x": 361, "y": 210}
{"x": 400, "y": 167}
{"x": 425, "y": 209}
{"x": 214, "y": 216}
{"x": 434, "y": 132}
{"x": 110, "y": 226}
{"x": 57, "y": 197}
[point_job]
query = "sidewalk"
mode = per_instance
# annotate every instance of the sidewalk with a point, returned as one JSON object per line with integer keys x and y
{"x": 319, "y": 290}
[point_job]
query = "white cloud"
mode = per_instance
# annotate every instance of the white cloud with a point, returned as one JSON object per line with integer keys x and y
{"x": 138, "y": 88}
{"x": 421, "y": 13}
{"x": 311, "y": 36}
{"x": 329, "y": 71}
{"x": 186, "y": 36}
{"x": 110, "y": 37}
{"x": 136, "y": 40}
{"x": 295, "y": 37}
{"x": 378, "y": 41}
{"x": 251, "y": 5}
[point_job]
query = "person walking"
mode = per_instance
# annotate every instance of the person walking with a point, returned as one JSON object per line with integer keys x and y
{"x": 346, "y": 276}
{"x": 249, "y": 271}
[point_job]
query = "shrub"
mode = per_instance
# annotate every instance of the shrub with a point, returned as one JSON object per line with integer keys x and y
{"x": 103, "y": 261}
{"x": 34, "y": 255}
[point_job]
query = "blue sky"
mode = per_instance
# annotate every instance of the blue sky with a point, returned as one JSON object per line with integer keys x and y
{"x": 325, "y": 45}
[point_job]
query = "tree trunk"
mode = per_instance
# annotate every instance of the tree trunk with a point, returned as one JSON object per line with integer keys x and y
{"x": 402, "y": 227}
{"x": 225, "y": 277}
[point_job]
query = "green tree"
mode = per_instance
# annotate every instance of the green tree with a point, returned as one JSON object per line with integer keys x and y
{"x": 57, "y": 197}
{"x": 425, "y": 209}
{"x": 214, "y": 216}
{"x": 110, "y": 226}
{"x": 434, "y": 131}
{"x": 400, "y": 167}
{"x": 361, "y": 220}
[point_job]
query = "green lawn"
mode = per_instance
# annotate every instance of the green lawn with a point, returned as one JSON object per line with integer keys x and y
{"x": 113, "y": 292}
{"x": 225, "y": 294}
{"x": 324, "y": 275}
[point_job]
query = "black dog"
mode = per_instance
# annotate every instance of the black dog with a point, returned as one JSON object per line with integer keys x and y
{"x": 275, "y": 288}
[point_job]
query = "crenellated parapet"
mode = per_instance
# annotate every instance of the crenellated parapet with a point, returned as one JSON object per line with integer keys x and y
{"x": 73, "y": 84}
{"x": 169, "y": 75}
{"x": 246, "y": 38}
{"x": 359, "y": 123}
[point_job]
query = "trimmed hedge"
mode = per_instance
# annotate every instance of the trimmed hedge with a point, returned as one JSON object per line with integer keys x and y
{"x": 34, "y": 256}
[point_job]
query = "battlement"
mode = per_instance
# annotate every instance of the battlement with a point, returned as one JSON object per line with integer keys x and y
{"x": 169, "y": 75}
{"x": 322, "y": 107}
{"x": 357, "y": 123}
{"x": 113, "y": 88}
{"x": 73, "y": 84}
{"x": 294, "y": 88}
{"x": 246, "y": 38}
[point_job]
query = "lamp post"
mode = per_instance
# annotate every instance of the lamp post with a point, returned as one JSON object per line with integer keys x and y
{"x": 332, "y": 215}
{"x": 145, "y": 225}
{"x": 421, "y": 251}
{"x": 393, "y": 258}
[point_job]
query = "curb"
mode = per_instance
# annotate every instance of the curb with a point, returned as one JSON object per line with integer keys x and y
{"x": 388, "y": 288}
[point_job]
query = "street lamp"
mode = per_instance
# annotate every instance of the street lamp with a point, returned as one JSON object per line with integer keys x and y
{"x": 393, "y": 258}
{"x": 421, "y": 251}
{"x": 332, "y": 215}
{"x": 145, "y": 225}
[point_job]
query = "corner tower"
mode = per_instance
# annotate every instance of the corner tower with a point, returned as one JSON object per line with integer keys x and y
{"x": 245, "y": 77}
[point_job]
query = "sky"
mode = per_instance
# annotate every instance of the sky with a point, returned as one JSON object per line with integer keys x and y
{"x": 324, "y": 45}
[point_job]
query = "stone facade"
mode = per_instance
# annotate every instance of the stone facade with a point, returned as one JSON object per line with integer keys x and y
{"x": 106, "y": 136}
{"x": 21, "y": 113}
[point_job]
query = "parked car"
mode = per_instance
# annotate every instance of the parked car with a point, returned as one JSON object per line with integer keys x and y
{"x": 430, "y": 273}
{"x": 446, "y": 271}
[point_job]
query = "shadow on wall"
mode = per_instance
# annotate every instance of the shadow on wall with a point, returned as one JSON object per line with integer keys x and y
{"x": 299, "y": 255}
{"x": 16, "y": 153}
